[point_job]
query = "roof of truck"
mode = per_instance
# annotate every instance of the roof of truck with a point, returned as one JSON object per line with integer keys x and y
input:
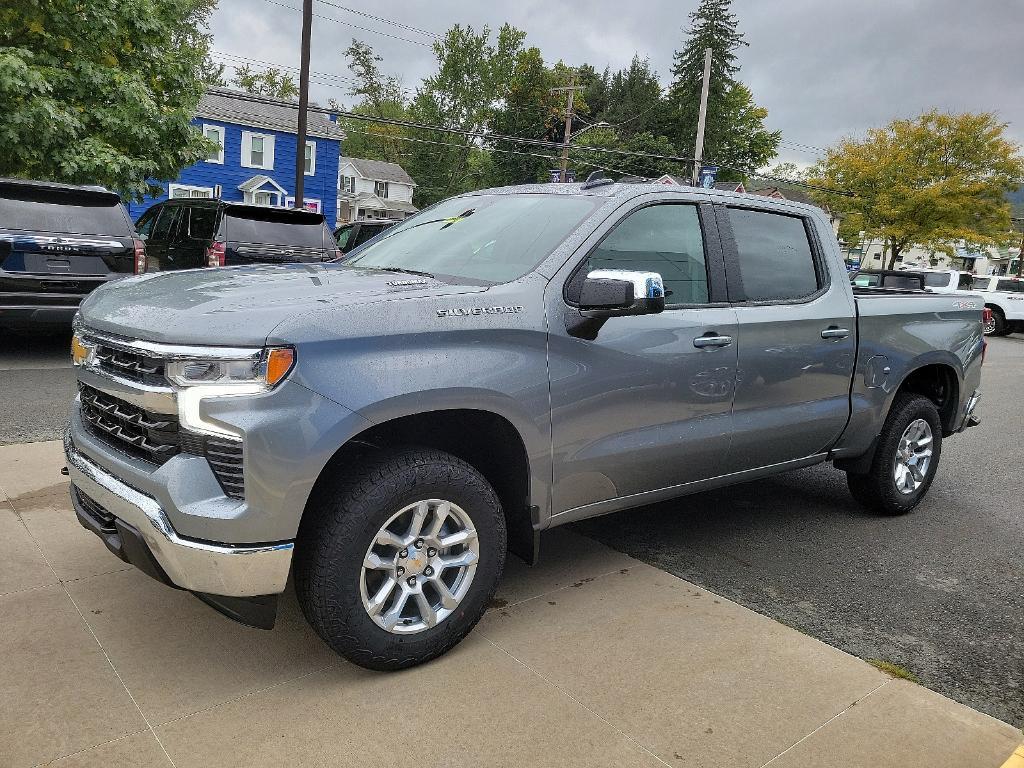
{"x": 625, "y": 191}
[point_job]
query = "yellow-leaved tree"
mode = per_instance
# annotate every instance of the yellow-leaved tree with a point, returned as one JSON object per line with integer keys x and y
{"x": 931, "y": 181}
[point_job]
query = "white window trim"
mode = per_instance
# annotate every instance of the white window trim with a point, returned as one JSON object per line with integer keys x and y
{"x": 312, "y": 159}
{"x": 220, "y": 133}
{"x": 172, "y": 188}
{"x": 268, "y": 150}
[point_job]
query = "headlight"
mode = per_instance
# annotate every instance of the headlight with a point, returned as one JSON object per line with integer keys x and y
{"x": 202, "y": 378}
{"x": 264, "y": 369}
{"x": 82, "y": 351}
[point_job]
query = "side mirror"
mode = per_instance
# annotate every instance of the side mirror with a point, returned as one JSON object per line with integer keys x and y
{"x": 621, "y": 293}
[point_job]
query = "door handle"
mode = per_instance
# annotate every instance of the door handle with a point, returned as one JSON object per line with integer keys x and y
{"x": 833, "y": 332}
{"x": 711, "y": 340}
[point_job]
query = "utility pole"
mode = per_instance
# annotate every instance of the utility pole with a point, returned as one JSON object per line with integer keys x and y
{"x": 571, "y": 88}
{"x": 300, "y": 138}
{"x": 698, "y": 150}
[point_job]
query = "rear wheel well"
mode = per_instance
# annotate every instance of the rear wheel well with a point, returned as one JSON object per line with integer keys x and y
{"x": 939, "y": 383}
{"x": 483, "y": 439}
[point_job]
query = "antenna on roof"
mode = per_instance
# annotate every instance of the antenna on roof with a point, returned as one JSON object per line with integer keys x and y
{"x": 596, "y": 179}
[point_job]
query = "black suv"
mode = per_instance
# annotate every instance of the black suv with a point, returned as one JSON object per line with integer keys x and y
{"x": 184, "y": 234}
{"x": 351, "y": 236}
{"x": 57, "y": 243}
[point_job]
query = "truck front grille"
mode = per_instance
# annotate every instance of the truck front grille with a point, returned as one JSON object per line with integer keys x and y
{"x": 142, "y": 434}
{"x": 130, "y": 365}
{"x": 225, "y": 459}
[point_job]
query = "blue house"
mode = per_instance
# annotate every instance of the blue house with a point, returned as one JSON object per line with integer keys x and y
{"x": 256, "y": 159}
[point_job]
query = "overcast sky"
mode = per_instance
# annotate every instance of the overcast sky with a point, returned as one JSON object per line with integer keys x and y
{"x": 823, "y": 69}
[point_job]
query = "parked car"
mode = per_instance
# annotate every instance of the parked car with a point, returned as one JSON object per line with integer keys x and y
{"x": 501, "y": 363}
{"x": 58, "y": 242}
{"x": 947, "y": 280}
{"x": 1005, "y": 297}
{"x": 888, "y": 278}
{"x": 190, "y": 233}
{"x": 351, "y": 236}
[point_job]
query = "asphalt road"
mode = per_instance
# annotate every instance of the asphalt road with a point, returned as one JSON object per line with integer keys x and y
{"x": 37, "y": 385}
{"x": 939, "y": 592}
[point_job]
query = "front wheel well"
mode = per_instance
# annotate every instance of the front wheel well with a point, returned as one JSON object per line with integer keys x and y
{"x": 485, "y": 440}
{"x": 940, "y": 384}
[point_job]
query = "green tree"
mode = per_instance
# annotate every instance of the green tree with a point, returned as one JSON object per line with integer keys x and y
{"x": 102, "y": 92}
{"x": 734, "y": 134}
{"x": 622, "y": 165}
{"x": 933, "y": 181}
{"x": 471, "y": 80}
{"x": 635, "y": 103}
{"x": 377, "y": 95}
{"x": 270, "y": 82}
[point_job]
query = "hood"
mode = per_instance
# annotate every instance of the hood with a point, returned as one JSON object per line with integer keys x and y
{"x": 240, "y": 306}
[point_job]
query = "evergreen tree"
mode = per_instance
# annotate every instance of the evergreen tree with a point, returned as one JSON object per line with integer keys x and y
{"x": 734, "y": 133}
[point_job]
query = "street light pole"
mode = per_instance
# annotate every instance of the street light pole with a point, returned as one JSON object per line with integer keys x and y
{"x": 698, "y": 150}
{"x": 300, "y": 138}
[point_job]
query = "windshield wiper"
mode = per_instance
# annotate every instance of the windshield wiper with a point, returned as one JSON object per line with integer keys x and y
{"x": 405, "y": 271}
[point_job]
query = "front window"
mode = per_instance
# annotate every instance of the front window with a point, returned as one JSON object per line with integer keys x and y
{"x": 256, "y": 151}
{"x": 380, "y": 189}
{"x": 348, "y": 184}
{"x": 485, "y": 238}
{"x": 215, "y": 134}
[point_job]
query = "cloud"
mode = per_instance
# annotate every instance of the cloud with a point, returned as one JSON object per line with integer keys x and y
{"x": 824, "y": 70}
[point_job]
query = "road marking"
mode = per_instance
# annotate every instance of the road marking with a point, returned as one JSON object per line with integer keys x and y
{"x": 1016, "y": 760}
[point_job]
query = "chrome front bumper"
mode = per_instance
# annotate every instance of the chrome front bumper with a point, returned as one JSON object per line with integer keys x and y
{"x": 215, "y": 569}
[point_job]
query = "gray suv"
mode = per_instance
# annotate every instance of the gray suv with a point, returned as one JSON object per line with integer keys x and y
{"x": 504, "y": 362}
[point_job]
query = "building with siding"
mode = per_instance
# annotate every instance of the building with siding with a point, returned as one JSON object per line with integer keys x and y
{"x": 373, "y": 189}
{"x": 256, "y": 159}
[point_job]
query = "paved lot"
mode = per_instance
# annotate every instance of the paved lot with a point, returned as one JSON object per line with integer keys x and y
{"x": 591, "y": 659}
{"x": 939, "y": 592}
{"x": 36, "y": 385}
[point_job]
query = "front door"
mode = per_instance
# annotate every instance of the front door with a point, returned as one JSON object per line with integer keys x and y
{"x": 645, "y": 405}
{"x": 797, "y": 339}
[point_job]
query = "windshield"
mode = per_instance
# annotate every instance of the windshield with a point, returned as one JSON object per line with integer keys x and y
{"x": 492, "y": 238}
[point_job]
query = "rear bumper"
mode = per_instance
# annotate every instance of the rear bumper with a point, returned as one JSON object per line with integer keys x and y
{"x": 136, "y": 529}
{"x": 25, "y": 315}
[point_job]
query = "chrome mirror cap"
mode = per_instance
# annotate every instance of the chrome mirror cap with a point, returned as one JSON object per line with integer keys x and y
{"x": 646, "y": 285}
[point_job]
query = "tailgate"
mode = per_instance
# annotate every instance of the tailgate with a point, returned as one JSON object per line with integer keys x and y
{"x": 259, "y": 235}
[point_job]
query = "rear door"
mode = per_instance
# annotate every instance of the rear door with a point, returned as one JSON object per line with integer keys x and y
{"x": 797, "y": 338}
{"x": 159, "y": 240}
{"x": 58, "y": 244}
{"x": 192, "y": 236}
{"x": 258, "y": 235}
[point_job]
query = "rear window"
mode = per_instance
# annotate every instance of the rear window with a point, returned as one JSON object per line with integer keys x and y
{"x": 776, "y": 263}
{"x": 274, "y": 227}
{"x": 70, "y": 212}
{"x": 936, "y": 279}
{"x": 1013, "y": 286}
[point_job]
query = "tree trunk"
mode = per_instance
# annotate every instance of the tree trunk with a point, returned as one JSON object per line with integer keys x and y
{"x": 894, "y": 253}
{"x": 1020, "y": 257}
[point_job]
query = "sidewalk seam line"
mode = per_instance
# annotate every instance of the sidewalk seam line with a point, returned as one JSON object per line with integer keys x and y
{"x": 564, "y": 692}
{"x": 89, "y": 749}
{"x": 99, "y": 645}
{"x": 831, "y": 719}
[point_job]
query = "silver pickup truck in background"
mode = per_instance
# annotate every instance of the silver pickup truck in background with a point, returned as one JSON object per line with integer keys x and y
{"x": 506, "y": 361}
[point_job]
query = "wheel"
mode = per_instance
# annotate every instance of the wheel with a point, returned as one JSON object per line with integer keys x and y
{"x": 997, "y": 326}
{"x": 399, "y": 560}
{"x": 909, "y": 447}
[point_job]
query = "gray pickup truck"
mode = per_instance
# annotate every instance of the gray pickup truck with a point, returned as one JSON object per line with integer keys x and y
{"x": 387, "y": 427}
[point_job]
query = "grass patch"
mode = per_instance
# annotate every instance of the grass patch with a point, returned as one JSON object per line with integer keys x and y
{"x": 894, "y": 670}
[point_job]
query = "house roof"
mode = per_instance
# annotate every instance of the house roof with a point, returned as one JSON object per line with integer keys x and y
{"x": 378, "y": 170}
{"x": 235, "y": 107}
{"x": 372, "y": 201}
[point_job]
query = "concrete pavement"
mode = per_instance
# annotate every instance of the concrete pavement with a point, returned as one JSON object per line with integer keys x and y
{"x": 591, "y": 658}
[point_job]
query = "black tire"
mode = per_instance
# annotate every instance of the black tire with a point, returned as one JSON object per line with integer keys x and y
{"x": 999, "y": 325}
{"x": 877, "y": 489}
{"x": 343, "y": 519}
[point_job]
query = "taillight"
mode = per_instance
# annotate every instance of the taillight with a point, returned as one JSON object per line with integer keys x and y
{"x": 140, "y": 257}
{"x": 215, "y": 255}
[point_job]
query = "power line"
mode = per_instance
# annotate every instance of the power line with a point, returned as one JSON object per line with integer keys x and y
{"x": 488, "y": 136}
{"x": 354, "y": 26}
{"x": 408, "y": 27}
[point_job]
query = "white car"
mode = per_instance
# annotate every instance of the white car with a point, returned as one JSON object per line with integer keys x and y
{"x": 946, "y": 280}
{"x": 1004, "y": 295}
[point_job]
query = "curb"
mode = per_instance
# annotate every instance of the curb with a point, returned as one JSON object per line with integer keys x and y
{"x": 1016, "y": 760}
